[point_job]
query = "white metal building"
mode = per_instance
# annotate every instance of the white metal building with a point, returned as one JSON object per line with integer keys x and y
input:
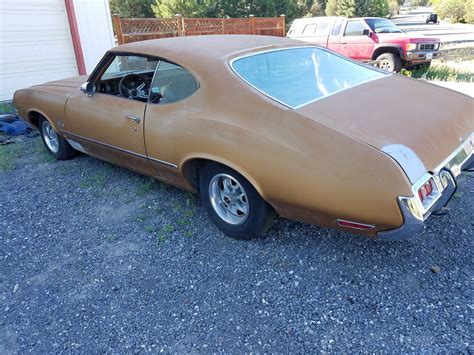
{"x": 44, "y": 40}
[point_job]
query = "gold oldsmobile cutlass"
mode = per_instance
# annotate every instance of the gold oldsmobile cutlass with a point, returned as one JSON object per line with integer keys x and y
{"x": 264, "y": 126}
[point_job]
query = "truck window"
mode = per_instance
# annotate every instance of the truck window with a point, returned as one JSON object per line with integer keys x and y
{"x": 354, "y": 28}
{"x": 337, "y": 28}
{"x": 309, "y": 29}
{"x": 322, "y": 29}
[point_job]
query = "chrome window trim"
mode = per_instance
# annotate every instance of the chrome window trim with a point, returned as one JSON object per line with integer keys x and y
{"x": 119, "y": 149}
{"x": 231, "y": 64}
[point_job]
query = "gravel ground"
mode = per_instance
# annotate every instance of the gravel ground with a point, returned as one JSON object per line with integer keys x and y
{"x": 94, "y": 258}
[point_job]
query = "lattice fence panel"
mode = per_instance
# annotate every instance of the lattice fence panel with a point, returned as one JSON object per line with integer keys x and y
{"x": 234, "y": 26}
{"x": 203, "y": 26}
{"x": 139, "y": 29}
{"x": 268, "y": 26}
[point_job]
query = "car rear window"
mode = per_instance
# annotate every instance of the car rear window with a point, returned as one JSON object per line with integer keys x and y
{"x": 298, "y": 76}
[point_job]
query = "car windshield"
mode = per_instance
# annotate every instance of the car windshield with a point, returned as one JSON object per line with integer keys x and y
{"x": 298, "y": 76}
{"x": 379, "y": 25}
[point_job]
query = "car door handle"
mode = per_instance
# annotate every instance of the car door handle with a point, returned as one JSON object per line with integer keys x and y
{"x": 343, "y": 42}
{"x": 134, "y": 118}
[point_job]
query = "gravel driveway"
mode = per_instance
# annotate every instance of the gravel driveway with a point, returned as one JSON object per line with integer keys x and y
{"x": 94, "y": 258}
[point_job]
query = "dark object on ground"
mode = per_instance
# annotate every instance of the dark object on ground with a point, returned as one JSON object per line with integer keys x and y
{"x": 8, "y": 117}
{"x": 15, "y": 128}
{"x": 13, "y": 125}
{"x": 432, "y": 18}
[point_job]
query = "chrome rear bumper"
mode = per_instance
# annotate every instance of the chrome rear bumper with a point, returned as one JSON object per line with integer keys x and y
{"x": 445, "y": 177}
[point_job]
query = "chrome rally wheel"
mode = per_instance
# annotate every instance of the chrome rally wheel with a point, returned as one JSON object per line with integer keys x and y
{"x": 229, "y": 199}
{"x": 50, "y": 137}
{"x": 56, "y": 145}
{"x": 232, "y": 203}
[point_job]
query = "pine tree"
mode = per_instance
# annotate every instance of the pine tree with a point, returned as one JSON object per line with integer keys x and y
{"x": 346, "y": 8}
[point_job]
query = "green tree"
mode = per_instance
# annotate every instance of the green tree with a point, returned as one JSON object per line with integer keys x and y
{"x": 455, "y": 10}
{"x": 169, "y": 8}
{"x": 331, "y": 7}
{"x": 378, "y": 8}
{"x": 469, "y": 16}
{"x": 132, "y": 8}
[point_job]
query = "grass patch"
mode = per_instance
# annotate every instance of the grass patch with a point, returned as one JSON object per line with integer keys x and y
{"x": 97, "y": 181}
{"x": 6, "y": 108}
{"x": 164, "y": 232}
{"x": 145, "y": 186}
{"x": 441, "y": 72}
{"x": 44, "y": 156}
{"x": 9, "y": 154}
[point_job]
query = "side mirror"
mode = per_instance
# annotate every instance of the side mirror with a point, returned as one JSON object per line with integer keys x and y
{"x": 88, "y": 88}
{"x": 366, "y": 32}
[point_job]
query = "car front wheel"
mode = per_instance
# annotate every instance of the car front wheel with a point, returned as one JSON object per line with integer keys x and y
{"x": 56, "y": 145}
{"x": 233, "y": 203}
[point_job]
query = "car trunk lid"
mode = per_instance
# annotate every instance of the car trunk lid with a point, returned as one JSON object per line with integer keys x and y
{"x": 416, "y": 123}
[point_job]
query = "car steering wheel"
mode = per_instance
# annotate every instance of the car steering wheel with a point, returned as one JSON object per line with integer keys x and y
{"x": 134, "y": 86}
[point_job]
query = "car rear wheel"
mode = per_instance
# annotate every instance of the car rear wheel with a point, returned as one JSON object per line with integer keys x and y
{"x": 390, "y": 62}
{"x": 56, "y": 145}
{"x": 233, "y": 203}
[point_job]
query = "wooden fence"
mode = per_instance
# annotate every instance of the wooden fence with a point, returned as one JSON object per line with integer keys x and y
{"x": 139, "y": 29}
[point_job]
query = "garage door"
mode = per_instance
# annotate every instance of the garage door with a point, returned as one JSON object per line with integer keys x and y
{"x": 35, "y": 44}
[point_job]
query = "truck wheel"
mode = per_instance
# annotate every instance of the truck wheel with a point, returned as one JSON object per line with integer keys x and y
{"x": 390, "y": 62}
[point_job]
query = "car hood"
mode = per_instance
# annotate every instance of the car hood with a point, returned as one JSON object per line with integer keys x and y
{"x": 416, "y": 123}
{"x": 393, "y": 37}
{"x": 74, "y": 82}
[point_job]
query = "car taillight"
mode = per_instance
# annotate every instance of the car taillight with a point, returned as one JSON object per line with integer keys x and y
{"x": 428, "y": 193}
{"x": 425, "y": 190}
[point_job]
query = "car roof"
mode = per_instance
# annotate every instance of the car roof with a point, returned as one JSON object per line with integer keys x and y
{"x": 211, "y": 47}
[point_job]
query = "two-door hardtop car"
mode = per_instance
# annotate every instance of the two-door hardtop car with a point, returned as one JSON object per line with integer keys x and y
{"x": 264, "y": 126}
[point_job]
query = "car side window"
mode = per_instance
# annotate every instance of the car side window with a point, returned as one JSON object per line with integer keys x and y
{"x": 171, "y": 83}
{"x": 322, "y": 30}
{"x": 310, "y": 29}
{"x": 128, "y": 76}
{"x": 337, "y": 28}
{"x": 354, "y": 28}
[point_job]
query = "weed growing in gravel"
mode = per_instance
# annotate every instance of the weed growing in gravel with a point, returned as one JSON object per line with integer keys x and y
{"x": 44, "y": 156}
{"x": 140, "y": 218}
{"x": 97, "y": 181}
{"x": 149, "y": 229}
{"x": 145, "y": 186}
{"x": 188, "y": 234}
{"x": 9, "y": 154}
{"x": 164, "y": 232}
{"x": 111, "y": 237}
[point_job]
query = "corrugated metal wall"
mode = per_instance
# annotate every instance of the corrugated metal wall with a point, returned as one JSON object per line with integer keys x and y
{"x": 35, "y": 44}
{"x": 35, "y": 40}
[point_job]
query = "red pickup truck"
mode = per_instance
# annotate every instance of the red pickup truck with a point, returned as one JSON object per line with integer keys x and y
{"x": 368, "y": 39}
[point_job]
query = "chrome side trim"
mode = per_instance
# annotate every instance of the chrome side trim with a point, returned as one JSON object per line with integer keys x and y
{"x": 120, "y": 149}
{"x": 76, "y": 146}
{"x": 368, "y": 226}
{"x": 299, "y": 47}
{"x": 163, "y": 162}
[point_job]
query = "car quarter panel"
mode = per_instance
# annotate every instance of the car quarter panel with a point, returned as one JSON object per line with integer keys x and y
{"x": 305, "y": 170}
